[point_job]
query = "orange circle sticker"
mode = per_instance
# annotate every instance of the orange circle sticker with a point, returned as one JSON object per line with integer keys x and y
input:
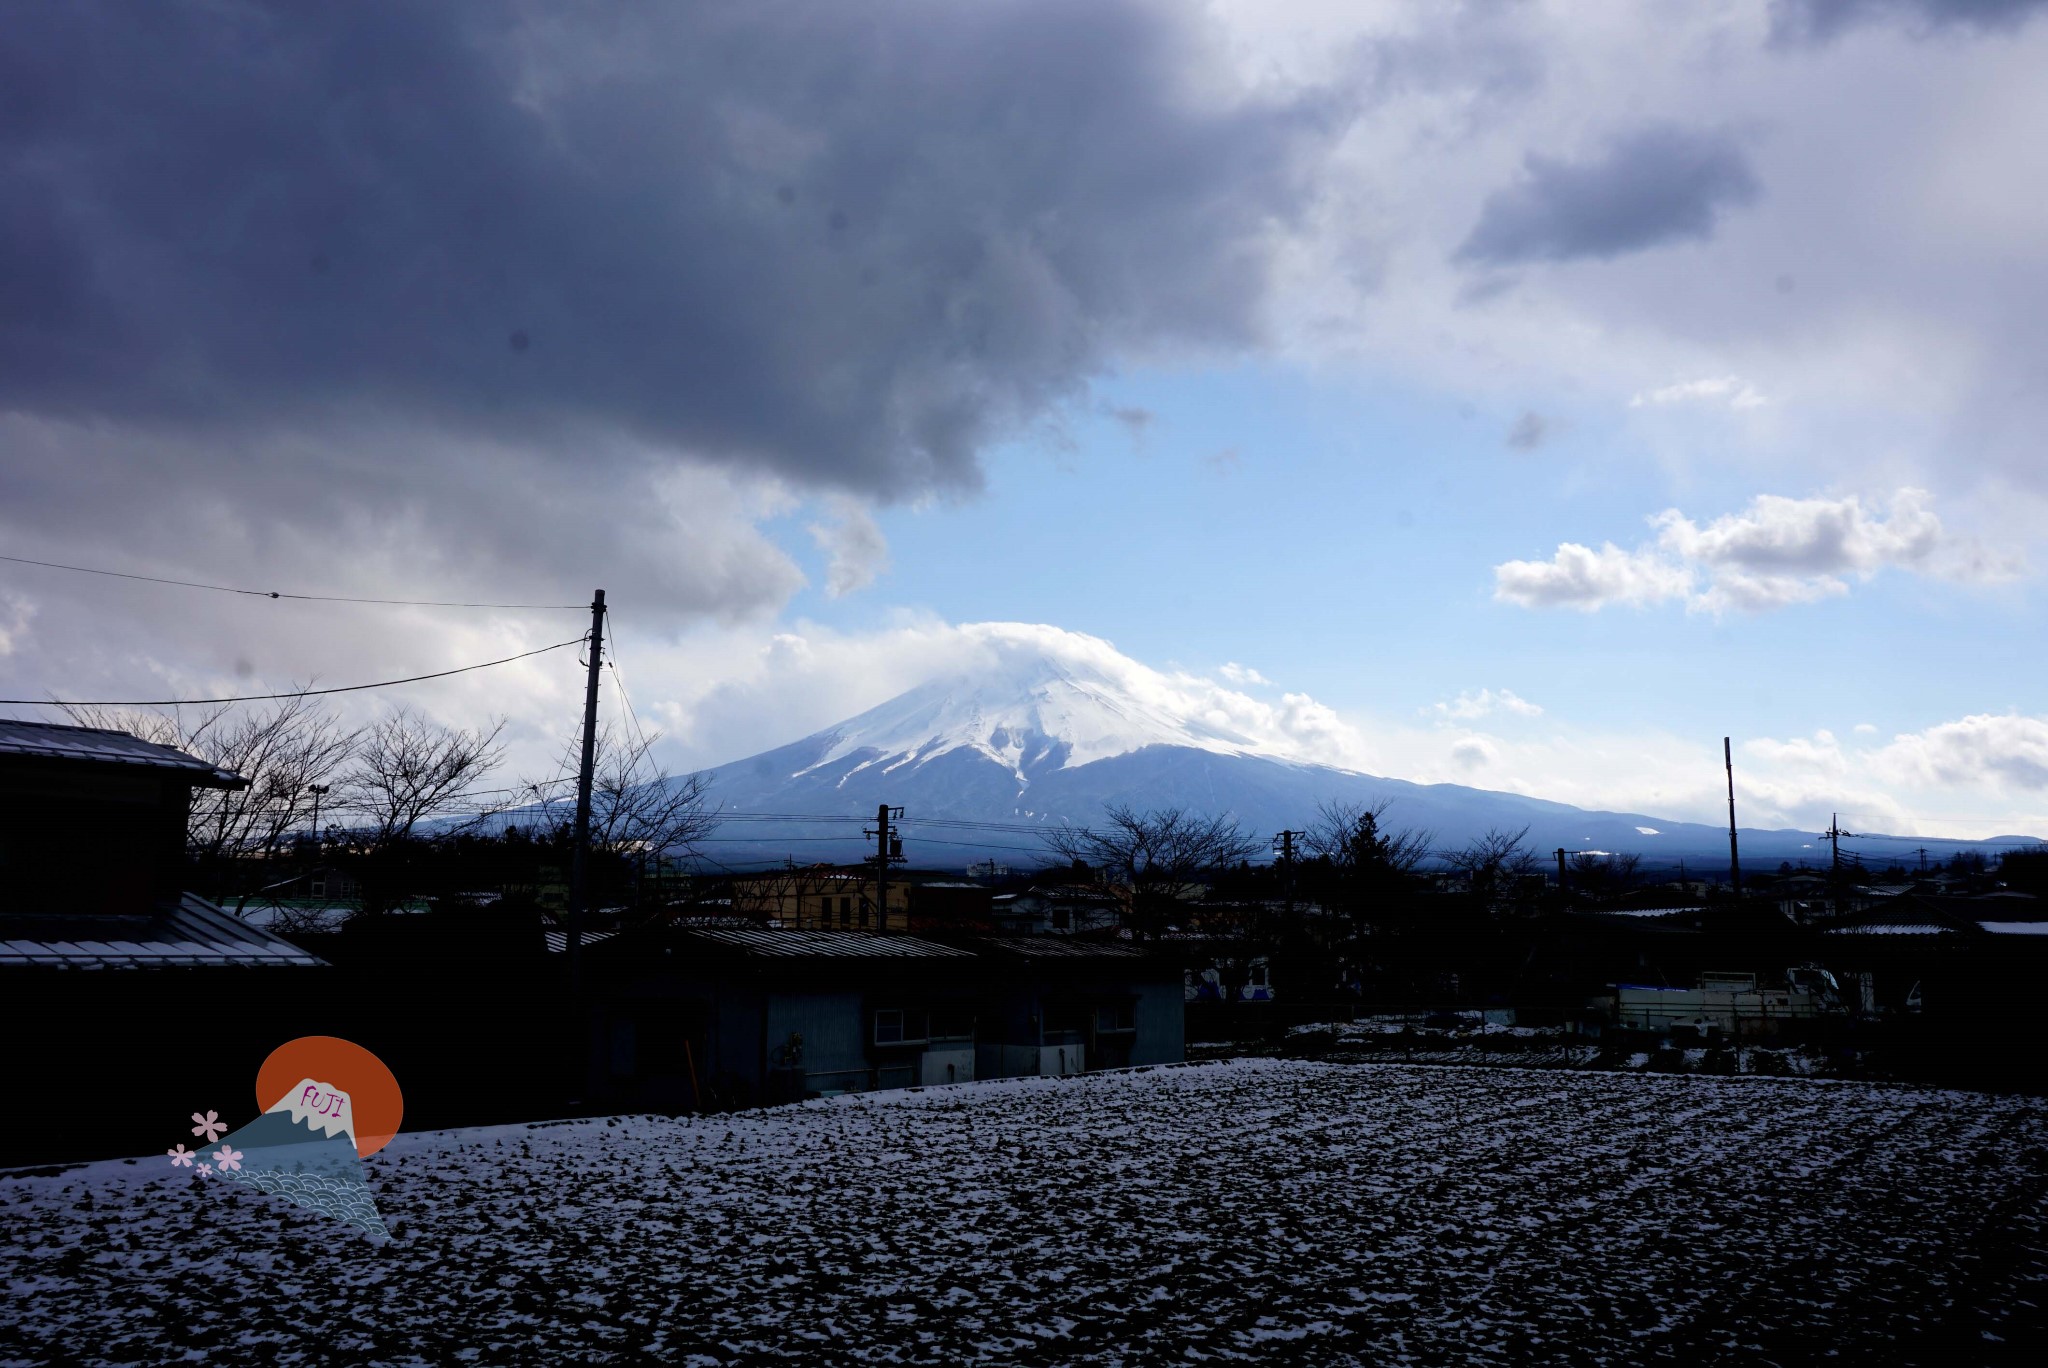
{"x": 374, "y": 1101}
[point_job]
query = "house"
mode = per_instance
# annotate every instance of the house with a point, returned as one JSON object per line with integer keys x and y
{"x": 701, "y": 1017}
{"x": 103, "y": 950}
{"x": 1063, "y": 1006}
{"x": 92, "y": 857}
{"x": 1058, "y": 909}
{"x": 818, "y": 898}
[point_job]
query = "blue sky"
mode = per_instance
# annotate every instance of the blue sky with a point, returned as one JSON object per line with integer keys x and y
{"x": 1522, "y": 395}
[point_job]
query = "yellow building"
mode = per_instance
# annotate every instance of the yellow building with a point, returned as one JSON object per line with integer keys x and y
{"x": 819, "y": 897}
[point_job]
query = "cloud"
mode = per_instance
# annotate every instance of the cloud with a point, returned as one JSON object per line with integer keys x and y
{"x": 1474, "y": 751}
{"x": 480, "y": 288}
{"x": 1777, "y": 552}
{"x": 1530, "y": 431}
{"x": 1737, "y": 392}
{"x": 855, "y": 546}
{"x": 1582, "y": 578}
{"x": 1485, "y": 703}
{"x": 1994, "y": 750}
{"x": 745, "y": 699}
{"x": 1242, "y": 674}
{"x": 1659, "y": 185}
{"x": 1820, "y": 20}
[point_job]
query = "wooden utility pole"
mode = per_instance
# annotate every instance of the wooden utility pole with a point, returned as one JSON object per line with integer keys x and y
{"x": 887, "y": 848}
{"x": 1834, "y": 833}
{"x": 1734, "y": 856}
{"x": 1284, "y": 843}
{"x": 579, "y": 859}
{"x": 1560, "y": 869}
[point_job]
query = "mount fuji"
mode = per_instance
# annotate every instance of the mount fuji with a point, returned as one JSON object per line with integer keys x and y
{"x": 1046, "y": 728}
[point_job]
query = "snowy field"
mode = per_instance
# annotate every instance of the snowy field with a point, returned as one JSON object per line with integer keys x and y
{"x": 1252, "y": 1210}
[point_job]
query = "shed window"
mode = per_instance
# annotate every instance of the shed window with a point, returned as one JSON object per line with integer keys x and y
{"x": 1115, "y": 1016}
{"x": 894, "y": 1026}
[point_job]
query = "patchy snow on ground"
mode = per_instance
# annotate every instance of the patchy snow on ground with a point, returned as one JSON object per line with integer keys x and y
{"x": 1248, "y": 1210}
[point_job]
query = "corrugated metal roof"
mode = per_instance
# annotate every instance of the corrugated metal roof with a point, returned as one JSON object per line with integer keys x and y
{"x": 195, "y": 933}
{"x": 1892, "y": 929}
{"x": 101, "y": 745}
{"x": 782, "y": 941}
{"x": 1059, "y": 947}
{"x": 558, "y": 941}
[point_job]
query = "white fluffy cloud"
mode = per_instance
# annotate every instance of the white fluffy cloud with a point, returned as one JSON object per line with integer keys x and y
{"x": 1730, "y": 389}
{"x": 2004, "y": 751}
{"x": 1776, "y": 552}
{"x": 1583, "y": 578}
{"x": 1485, "y": 703}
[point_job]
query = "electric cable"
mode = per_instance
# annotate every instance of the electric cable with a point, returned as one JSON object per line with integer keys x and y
{"x": 265, "y": 698}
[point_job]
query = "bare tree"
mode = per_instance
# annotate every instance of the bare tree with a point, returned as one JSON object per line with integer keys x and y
{"x": 1494, "y": 864}
{"x": 1598, "y": 872}
{"x": 282, "y": 749}
{"x": 408, "y": 769}
{"x": 1367, "y": 868}
{"x": 1157, "y": 856}
{"x": 637, "y": 807}
{"x": 1354, "y": 837}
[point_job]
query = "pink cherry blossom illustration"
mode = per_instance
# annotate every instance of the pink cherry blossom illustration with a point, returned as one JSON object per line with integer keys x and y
{"x": 209, "y": 1125}
{"x": 230, "y": 1159}
{"x": 206, "y": 1170}
{"x": 181, "y": 1157}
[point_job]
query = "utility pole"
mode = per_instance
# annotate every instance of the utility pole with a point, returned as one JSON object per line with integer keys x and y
{"x": 318, "y": 791}
{"x": 1834, "y": 833}
{"x": 1284, "y": 843}
{"x": 888, "y": 850}
{"x": 1734, "y": 856}
{"x": 1560, "y": 869}
{"x": 579, "y": 860}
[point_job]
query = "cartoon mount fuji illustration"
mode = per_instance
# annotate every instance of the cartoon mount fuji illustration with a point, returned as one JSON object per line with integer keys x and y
{"x": 304, "y": 1148}
{"x": 328, "y": 1104}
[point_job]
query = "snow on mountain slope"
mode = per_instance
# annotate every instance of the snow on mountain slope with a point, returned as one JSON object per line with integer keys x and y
{"x": 1041, "y": 699}
{"x": 1047, "y": 727}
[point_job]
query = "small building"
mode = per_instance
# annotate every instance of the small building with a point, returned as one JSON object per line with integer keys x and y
{"x": 1057, "y": 909}
{"x": 103, "y": 950}
{"x": 703, "y": 1017}
{"x": 818, "y": 898}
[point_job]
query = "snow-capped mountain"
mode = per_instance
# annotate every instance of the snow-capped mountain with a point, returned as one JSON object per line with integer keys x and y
{"x": 1047, "y": 727}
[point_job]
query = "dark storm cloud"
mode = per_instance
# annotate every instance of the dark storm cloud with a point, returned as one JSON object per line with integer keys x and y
{"x": 1819, "y": 20}
{"x": 846, "y": 244}
{"x": 1656, "y": 186}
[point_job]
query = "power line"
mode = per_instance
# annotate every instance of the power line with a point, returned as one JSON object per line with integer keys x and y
{"x": 276, "y": 594}
{"x": 265, "y": 698}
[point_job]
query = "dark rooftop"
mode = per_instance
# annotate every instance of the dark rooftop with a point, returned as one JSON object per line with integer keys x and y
{"x": 195, "y": 933}
{"x": 104, "y": 746}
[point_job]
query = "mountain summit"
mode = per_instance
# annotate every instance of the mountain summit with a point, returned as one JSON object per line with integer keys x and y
{"x": 1044, "y": 727}
{"x": 1039, "y": 701}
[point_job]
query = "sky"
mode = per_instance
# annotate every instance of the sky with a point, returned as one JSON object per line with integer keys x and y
{"x": 1525, "y": 395}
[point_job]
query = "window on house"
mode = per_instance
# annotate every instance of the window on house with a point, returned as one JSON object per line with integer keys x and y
{"x": 894, "y": 1026}
{"x": 952, "y": 1026}
{"x": 1111, "y": 1017}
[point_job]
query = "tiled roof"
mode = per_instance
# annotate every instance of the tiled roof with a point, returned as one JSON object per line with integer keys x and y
{"x": 194, "y": 933}
{"x": 1060, "y": 947}
{"x": 100, "y": 745}
{"x": 784, "y": 942}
